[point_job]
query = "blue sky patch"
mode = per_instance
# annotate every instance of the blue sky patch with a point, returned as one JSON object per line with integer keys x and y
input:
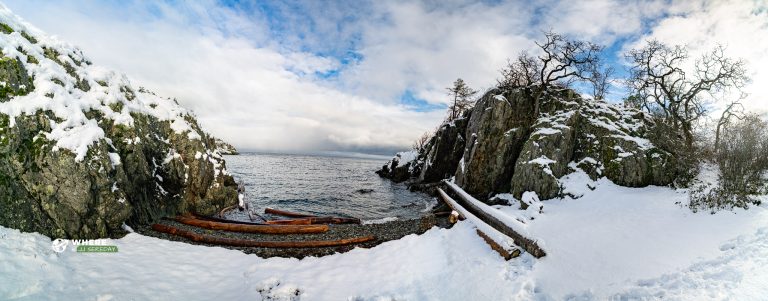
{"x": 418, "y": 104}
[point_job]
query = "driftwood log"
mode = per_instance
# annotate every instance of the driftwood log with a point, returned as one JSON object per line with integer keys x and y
{"x": 444, "y": 196}
{"x": 527, "y": 244}
{"x": 224, "y": 211}
{"x": 300, "y": 221}
{"x": 507, "y": 255}
{"x": 312, "y": 219}
{"x": 221, "y": 220}
{"x": 266, "y": 229}
{"x": 315, "y": 221}
{"x": 426, "y": 187}
{"x": 256, "y": 243}
{"x": 286, "y": 213}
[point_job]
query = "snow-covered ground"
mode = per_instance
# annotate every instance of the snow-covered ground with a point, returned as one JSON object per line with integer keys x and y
{"x": 612, "y": 243}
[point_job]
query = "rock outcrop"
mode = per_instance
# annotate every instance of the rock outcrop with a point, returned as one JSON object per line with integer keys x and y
{"x": 225, "y": 148}
{"x": 509, "y": 148}
{"x": 82, "y": 151}
{"x": 402, "y": 167}
{"x": 442, "y": 154}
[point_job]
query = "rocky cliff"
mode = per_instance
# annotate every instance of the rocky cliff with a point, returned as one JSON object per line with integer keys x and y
{"x": 503, "y": 146}
{"x": 82, "y": 151}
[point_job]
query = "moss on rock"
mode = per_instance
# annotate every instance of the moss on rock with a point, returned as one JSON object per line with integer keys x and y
{"x": 6, "y": 29}
{"x": 29, "y": 38}
{"x": 14, "y": 79}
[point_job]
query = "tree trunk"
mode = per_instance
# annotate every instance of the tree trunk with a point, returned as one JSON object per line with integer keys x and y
{"x": 453, "y": 109}
{"x": 717, "y": 135}
{"x": 688, "y": 134}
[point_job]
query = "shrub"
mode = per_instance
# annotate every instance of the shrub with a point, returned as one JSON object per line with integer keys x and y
{"x": 742, "y": 157}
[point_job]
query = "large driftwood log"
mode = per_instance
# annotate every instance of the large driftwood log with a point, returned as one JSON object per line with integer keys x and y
{"x": 506, "y": 254}
{"x": 444, "y": 196}
{"x": 527, "y": 244}
{"x": 256, "y": 243}
{"x": 267, "y": 229}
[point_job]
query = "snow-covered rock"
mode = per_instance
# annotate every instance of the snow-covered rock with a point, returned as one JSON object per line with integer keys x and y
{"x": 401, "y": 167}
{"x": 601, "y": 138}
{"x": 504, "y": 147}
{"x": 82, "y": 150}
{"x": 225, "y": 148}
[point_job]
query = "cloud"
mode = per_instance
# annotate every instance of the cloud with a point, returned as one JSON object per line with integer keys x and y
{"x": 741, "y": 26}
{"x": 248, "y": 94}
{"x": 413, "y": 46}
{"x": 358, "y": 75}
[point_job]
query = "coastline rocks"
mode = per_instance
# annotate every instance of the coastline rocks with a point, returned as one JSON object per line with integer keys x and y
{"x": 400, "y": 168}
{"x": 82, "y": 151}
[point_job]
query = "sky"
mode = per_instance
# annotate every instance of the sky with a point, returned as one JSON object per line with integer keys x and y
{"x": 366, "y": 76}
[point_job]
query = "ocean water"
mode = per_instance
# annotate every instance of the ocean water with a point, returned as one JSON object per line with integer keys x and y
{"x": 323, "y": 185}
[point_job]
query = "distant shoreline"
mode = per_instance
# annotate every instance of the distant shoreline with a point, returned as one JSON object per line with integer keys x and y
{"x": 333, "y": 154}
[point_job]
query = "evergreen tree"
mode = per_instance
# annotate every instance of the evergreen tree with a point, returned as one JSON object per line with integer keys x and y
{"x": 462, "y": 98}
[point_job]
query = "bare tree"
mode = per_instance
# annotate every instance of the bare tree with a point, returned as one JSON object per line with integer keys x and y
{"x": 561, "y": 61}
{"x": 664, "y": 88}
{"x": 600, "y": 79}
{"x": 734, "y": 110}
{"x": 462, "y": 98}
{"x": 421, "y": 141}
{"x": 522, "y": 72}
